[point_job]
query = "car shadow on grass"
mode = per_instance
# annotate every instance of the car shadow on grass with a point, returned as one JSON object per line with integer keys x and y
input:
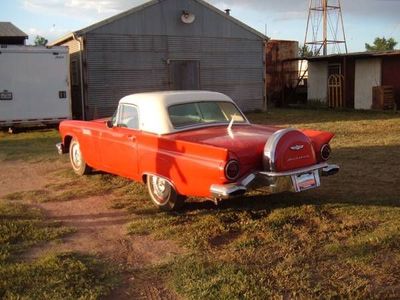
{"x": 369, "y": 176}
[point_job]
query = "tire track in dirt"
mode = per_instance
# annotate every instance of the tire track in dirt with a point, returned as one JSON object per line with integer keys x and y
{"x": 100, "y": 230}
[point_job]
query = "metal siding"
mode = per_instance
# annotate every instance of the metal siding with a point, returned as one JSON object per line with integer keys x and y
{"x": 126, "y": 43}
{"x": 139, "y": 64}
{"x": 164, "y": 19}
{"x": 131, "y": 55}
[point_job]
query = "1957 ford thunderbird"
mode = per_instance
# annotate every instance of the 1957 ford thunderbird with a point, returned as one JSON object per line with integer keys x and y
{"x": 195, "y": 143}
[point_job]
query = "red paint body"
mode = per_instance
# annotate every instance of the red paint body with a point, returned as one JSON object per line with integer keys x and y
{"x": 192, "y": 160}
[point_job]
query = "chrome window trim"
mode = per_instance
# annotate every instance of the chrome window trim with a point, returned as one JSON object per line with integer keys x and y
{"x": 118, "y": 116}
{"x": 199, "y": 125}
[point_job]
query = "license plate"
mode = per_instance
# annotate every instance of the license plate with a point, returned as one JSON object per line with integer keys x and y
{"x": 306, "y": 181}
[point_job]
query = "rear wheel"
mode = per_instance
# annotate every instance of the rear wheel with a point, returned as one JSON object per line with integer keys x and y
{"x": 163, "y": 194}
{"x": 78, "y": 163}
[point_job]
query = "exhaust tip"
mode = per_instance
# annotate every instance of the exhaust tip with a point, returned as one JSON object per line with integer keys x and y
{"x": 330, "y": 170}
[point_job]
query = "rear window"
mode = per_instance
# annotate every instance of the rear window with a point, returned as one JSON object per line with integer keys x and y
{"x": 188, "y": 114}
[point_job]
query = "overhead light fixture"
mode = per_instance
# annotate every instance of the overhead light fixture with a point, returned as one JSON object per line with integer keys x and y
{"x": 187, "y": 17}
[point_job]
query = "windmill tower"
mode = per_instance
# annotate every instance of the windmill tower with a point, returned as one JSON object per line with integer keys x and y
{"x": 325, "y": 29}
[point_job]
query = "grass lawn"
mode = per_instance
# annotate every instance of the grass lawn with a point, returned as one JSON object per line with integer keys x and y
{"x": 341, "y": 240}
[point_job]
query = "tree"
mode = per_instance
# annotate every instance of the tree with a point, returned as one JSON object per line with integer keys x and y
{"x": 381, "y": 44}
{"x": 40, "y": 41}
{"x": 305, "y": 51}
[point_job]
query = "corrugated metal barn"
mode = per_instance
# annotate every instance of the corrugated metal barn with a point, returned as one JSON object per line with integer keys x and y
{"x": 165, "y": 45}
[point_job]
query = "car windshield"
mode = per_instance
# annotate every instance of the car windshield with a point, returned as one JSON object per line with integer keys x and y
{"x": 188, "y": 114}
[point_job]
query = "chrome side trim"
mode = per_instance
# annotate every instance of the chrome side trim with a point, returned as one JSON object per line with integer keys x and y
{"x": 295, "y": 171}
{"x": 270, "y": 147}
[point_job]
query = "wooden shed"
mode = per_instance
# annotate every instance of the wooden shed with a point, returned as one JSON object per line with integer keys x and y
{"x": 164, "y": 45}
{"x": 362, "y": 80}
{"x": 11, "y": 34}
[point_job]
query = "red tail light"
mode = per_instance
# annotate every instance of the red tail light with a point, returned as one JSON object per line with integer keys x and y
{"x": 232, "y": 170}
{"x": 325, "y": 151}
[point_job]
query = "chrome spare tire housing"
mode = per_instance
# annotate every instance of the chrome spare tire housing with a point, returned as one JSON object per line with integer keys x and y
{"x": 270, "y": 147}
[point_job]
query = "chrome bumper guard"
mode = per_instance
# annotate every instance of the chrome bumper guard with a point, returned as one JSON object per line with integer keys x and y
{"x": 60, "y": 148}
{"x": 231, "y": 190}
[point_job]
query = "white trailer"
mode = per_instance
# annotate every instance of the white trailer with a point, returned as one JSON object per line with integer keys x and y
{"x": 34, "y": 85}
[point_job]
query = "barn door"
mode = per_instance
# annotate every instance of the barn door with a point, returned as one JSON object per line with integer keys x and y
{"x": 335, "y": 91}
{"x": 184, "y": 75}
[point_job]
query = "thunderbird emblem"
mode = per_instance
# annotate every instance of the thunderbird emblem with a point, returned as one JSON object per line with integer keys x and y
{"x": 297, "y": 147}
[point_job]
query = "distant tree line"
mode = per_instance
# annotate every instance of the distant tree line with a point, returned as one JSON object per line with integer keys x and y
{"x": 381, "y": 44}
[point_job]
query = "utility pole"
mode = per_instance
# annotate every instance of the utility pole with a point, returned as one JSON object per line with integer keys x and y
{"x": 328, "y": 15}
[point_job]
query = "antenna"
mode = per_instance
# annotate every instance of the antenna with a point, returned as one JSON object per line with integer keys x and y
{"x": 328, "y": 15}
{"x": 187, "y": 17}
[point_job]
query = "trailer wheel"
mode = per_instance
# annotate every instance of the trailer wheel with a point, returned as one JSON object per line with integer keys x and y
{"x": 163, "y": 194}
{"x": 78, "y": 163}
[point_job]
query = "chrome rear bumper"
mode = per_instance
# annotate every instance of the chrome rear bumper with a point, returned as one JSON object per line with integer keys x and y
{"x": 231, "y": 190}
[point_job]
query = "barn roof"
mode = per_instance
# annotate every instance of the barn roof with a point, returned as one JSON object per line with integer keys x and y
{"x": 7, "y": 29}
{"x": 365, "y": 54}
{"x": 146, "y": 5}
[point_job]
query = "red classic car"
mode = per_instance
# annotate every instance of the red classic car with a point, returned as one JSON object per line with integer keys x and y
{"x": 195, "y": 143}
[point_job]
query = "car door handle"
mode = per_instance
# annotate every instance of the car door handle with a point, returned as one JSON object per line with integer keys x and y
{"x": 131, "y": 138}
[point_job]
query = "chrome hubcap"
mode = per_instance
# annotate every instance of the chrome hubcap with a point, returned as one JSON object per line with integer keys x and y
{"x": 76, "y": 155}
{"x": 161, "y": 188}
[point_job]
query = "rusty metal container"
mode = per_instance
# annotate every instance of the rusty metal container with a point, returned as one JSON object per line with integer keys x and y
{"x": 281, "y": 67}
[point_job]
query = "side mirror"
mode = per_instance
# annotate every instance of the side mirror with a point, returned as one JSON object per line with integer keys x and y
{"x": 110, "y": 124}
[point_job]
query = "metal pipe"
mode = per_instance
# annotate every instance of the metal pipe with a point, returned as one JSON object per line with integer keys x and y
{"x": 325, "y": 25}
{"x": 341, "y": 19}
{"x": 81, "y": 74}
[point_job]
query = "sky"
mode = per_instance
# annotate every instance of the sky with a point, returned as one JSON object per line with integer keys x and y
{"x": 279, "y": 19}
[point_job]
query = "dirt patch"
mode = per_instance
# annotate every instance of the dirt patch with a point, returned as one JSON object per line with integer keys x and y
{"x": 20, "y": 176}
{"x": 100, "y": 230}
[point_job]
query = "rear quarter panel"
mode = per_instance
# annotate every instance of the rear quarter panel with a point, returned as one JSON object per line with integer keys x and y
{"x": 191, "y": 167}
{"x": 318, "y": 139}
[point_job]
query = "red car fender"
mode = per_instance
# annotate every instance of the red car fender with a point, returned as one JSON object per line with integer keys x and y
{"x": 318, "y": 139}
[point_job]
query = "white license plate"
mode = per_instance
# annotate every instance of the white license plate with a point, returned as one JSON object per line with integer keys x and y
{"x": 306, "y": 181}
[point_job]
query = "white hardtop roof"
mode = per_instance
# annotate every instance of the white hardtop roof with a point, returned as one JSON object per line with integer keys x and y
{"x": 153, "y": 107}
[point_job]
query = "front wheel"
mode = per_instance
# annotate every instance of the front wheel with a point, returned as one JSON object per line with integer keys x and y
{"x": 163, "y": 194}
{"x": 78, "y": 163}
